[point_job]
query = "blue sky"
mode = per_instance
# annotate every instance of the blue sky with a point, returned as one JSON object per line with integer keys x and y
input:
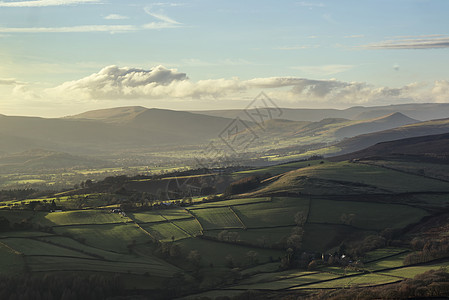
{"x": 60, "y": 57}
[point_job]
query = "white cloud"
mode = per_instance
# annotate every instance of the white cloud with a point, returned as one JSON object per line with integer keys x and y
{"x": 160, "y": 16}
{"x": 8, "y": 81}
{"x": 115, "y": 83}
{"x": 70, "y": 29}
{"x": 440, "y": 91}
{"x": 419, "y": 42}
{"x": 115, "y": 17}
{"x": 159, "y": 25}
{"x": 41, "y": 3}
{"x": 163, "y": 20}
{"x": 323, "y": 70}
{"x": 162, "y": 23}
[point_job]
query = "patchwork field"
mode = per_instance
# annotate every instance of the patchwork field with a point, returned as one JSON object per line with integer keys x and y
{"x": 237, "y": 244}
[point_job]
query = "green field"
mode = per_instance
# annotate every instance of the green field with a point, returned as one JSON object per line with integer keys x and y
{"x": 165, "y": 232}
{"x": 106, "y": 236}
{"x": 33, "y": 247}
{"x": 276, "y": 276}
{"x": 146, "y": 217}
{"x": 191, "y": 226}
{"x": 357, "y": 281}
{"x": 382, "y": 253}
{"x": 175, "y": 213}
{"x": 11, "y": 262}
{"x": 217, "y": 218}
{"x": 84, "y": 217}
{"x": 385, "y": 263}
{"x": 410, "y": 272}
{"x": 382, "y": 178}
{"x": 54, "y": 264}
{"x": 433, "y": 170}
{"x": 160, "y": 215}
{"x": 287, "y": 283}
{"x": 365, "y": 215}
{"x": 277, "y": 169}
{"x": 240, "y": 201}
{"x": 83, "y": 248}
{"x": 241, "y": 243}
{"x": 352, "y": 178}
{"x": 281, "y": 212}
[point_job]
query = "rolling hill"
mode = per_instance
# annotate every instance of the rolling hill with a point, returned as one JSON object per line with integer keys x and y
{"x": 376, "y": 124}
{"x": 38, "y": 159}
{"x": 413, "y": 130}
{"x": 280, "y": 133}
{"x": 429, "y": 146}
{"x": 419, "y": 111}
{"x": 106, "y": 131}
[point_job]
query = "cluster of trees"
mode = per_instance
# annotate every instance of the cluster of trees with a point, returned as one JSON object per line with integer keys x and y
{"x": 427, "y": 250}
{"x": 294, "y": 243}
{"x": 245, "y": 184}
{"x": 37, "y": 205}
{"x": 16, "y": 194}
{"x": 6, "y": 225}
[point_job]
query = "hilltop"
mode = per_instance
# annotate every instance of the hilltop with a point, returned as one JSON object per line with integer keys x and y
{"x": 427, "y": 147}
{"x": 109, "y": 130}
{"x": 376, "y": 124}
{"x": 412, "y": 130}
{"x": 418, "y": 111}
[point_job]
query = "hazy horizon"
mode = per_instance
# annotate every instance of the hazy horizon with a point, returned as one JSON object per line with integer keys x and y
{"x": 65, "y": 57}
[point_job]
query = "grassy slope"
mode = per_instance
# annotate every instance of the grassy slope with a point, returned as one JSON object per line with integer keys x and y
{"x": 366, "y": 215}
{"x": 345, "y": 177}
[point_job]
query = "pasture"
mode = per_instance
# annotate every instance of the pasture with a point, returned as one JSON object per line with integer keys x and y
{"x": 80, "y": 217}
{"x": 165, "y": 232}
{"x": 364, "y": 215}
{"x": 217, "y": 218}
{"x": 281, "y": 212}
{"x": 382, "y": 178}
{"x": 106, "y": 236}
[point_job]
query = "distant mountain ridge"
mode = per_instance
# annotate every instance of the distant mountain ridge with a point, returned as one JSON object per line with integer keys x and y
{"x": 393, "y": 120}
{"x": 436, "y": 145}
{"x": 418, "y": 111}
{"x": 117, "y": 129}
{"x": 407, "y": 131}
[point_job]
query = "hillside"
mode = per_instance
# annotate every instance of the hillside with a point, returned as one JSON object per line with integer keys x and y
{"x": 317, "y": 227}
{"x": 117, "y": 114}
{"x": 195, "y": 127}
{"x": 418, "y": 111}
{"x": 428, "y": 147}
{"x": 376, "y": 124}
{"x": 280, "y": 133}
{"x": 106, "y": 131}
{"x": 413, "y": 130}
{"x": 38, "y": 159}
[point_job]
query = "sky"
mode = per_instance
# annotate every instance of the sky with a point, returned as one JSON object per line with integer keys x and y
{"x": 63, "y": 57}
